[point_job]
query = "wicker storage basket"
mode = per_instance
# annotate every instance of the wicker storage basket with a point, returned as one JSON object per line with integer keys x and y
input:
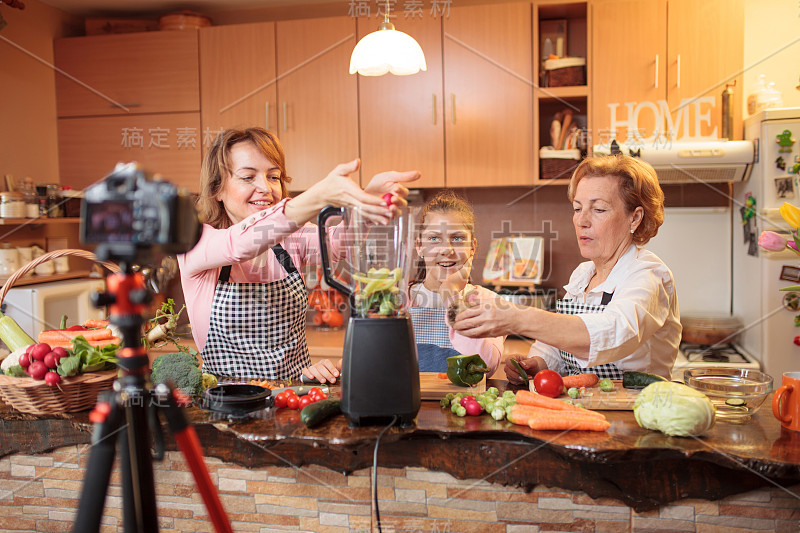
{"x": 73, "y": 394}
{"x": 558, "y": 164}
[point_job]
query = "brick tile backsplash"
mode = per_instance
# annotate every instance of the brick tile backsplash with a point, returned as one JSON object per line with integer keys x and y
{"x": 40, "y": 493}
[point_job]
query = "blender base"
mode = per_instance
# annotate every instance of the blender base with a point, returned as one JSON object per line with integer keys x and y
{"x": 380, "y": 372}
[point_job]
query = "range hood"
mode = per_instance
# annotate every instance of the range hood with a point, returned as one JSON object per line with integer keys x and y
{"x": 691, "y": 161}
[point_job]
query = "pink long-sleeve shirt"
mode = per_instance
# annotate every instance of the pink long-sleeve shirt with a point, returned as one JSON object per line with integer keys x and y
{"x": 246, "y": 246}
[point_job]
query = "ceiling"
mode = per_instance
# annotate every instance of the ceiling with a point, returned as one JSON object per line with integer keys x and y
{"x": 142, "y": 8}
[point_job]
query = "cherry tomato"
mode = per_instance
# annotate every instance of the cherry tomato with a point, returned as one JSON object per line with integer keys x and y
{"x": 305, "y": 400}
{"x": 293, "y": 402}
{"x": 315, "y": 394}
{"x": 548, "y": 383}
{"x": 281, "y": 399}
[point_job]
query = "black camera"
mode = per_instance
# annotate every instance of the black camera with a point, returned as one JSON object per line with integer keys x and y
{"x": 129, "y": 211}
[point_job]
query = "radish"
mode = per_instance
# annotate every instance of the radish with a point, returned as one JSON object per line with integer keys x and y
{"x": 24, "y": 361}
{"x": 473, "y": 408}
{"x": 38, "y": 352}
{"x": 52, "y": 378}
{"x": 59, "y": 353}
{"x": 50, "y": 360}
{"x": 37, "y": 370}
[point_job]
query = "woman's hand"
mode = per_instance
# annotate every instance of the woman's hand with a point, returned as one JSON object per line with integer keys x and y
{"x": 488, "y": 318}
{"x": 531, "y": 365}
{"x": 391, "y": 182}
{"x": 338, "y": 190}
{"x": 324, "y": 371}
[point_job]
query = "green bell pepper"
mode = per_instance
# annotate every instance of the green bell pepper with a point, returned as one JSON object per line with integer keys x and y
{"x": 466, "y": 370}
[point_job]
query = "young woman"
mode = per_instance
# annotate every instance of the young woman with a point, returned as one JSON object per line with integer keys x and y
{"x": 244, "y": 294}
{"x": 446, "y": 246}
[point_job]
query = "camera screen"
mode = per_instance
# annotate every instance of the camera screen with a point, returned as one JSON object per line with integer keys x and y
{"x": 108, "y": 222}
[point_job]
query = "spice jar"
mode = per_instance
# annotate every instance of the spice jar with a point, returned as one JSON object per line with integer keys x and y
{"x": 54, "y": 209}
{"x": 12, "y": 205}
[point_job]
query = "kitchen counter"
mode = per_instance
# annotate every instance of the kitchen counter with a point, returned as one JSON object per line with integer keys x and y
{"x": 327, "y": 344}
{"x": 626, "y": 466}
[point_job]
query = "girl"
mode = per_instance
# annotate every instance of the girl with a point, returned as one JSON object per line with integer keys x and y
{"x": 446, "y": 246}
{"x": 245, "y": 297}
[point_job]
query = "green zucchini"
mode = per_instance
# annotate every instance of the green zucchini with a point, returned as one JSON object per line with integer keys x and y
{"x": 315, "y": 413}
{"x": 639, "y": 380}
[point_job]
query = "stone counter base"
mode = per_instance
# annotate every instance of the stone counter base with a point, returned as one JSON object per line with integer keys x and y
{"x": 40, "y": 493}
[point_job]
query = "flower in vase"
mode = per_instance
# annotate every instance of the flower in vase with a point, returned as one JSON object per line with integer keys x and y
{"x": 775, "y": 242}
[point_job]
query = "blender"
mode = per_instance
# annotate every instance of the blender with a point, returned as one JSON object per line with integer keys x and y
{"x": 380, "y": 369}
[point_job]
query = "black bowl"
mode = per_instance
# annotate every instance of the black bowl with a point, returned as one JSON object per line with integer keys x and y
{"x": 235, "y": 398}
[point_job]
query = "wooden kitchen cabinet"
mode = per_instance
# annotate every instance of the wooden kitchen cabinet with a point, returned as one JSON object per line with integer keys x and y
{"x": 401, "y": 117}
{"x": 488, "y": 95}
{"x": 317, "y": 97}
{"x": 169, "y": 144}
{"x": 650, "y": 55}
{"x": 153, "y": 72}
{"x": 238, "y": 77}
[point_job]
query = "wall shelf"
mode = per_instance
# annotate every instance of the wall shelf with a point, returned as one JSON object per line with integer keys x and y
{"x": 34, "y": 279}
{"x": 23, "y": 221}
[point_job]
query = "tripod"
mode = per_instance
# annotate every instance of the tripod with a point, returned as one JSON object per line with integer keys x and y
{"x": 123, "y": 418}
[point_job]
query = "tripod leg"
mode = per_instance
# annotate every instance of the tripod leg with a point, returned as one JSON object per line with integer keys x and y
{"x": 189, "y": 445}
{"x": 107, "y": 417}
{"x": 139, "y": 512}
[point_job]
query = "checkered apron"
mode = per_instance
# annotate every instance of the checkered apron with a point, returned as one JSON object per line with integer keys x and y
{"x": 574, "y": 307}
{"x": 430, "y": 326}
{"x": 257, "y": 330}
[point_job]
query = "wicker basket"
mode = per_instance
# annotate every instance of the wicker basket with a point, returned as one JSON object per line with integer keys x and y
{"x": 73, "y": 394}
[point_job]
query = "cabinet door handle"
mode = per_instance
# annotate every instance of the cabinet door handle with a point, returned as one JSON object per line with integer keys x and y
{"x": 266, "y": 115}
{"x": 678, "y": 79}
{"x": 434, "y": 109}
{"x": 284, "y": 116}
{"x": 656, "y": 82}
{"x": 119, "y": 106}
{"x": 452, "y": 108}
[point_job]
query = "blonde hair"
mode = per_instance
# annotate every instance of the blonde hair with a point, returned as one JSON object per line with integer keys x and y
{"x": 446, "y": 201}
{"x": 638, "y": 186}
{"x": 216, "y": 170}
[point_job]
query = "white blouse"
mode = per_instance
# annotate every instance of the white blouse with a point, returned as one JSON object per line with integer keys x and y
{"x": 640, "y": 328}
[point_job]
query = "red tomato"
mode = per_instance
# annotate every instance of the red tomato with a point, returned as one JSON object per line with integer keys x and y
{"x": 281, "y": 399}
{"x": 315, "y": 394}
{"x": 317, "y": 320}
{"x": 305, "y": 400}
{"x": 548, "y": 383}
{"x": 293, "y": 402}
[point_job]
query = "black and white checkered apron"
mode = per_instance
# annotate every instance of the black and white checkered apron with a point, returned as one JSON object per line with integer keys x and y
{"x": 574, "y": 307}
{"x": 257, "y": 330}
{"x": 430, "y": 326}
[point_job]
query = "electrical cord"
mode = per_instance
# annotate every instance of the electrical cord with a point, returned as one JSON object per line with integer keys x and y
{"x": 375, "y": 472}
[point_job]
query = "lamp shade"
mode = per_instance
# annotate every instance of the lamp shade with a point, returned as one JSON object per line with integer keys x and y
{"x": 387, "y": 50}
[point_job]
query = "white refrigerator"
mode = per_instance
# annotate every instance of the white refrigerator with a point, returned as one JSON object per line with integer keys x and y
{"x": 771, "y": 317}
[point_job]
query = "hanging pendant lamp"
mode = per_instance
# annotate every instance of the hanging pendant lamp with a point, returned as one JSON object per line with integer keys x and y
{"x": 387, "y": 50}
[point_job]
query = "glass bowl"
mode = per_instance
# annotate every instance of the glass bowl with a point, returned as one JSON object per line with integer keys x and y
{"x": 736, "y": 393}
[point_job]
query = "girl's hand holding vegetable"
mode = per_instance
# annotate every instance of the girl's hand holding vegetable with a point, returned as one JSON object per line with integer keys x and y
{"x": 324, "y": 371}
{"x": 454, "y": 284}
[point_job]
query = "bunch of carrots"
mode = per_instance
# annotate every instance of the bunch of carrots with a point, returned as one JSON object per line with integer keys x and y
{"x": 543, "y": 413}
{"x": 96, "y": 333}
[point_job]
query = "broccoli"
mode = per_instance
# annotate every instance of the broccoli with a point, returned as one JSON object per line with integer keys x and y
{"x": 180, "y": 368}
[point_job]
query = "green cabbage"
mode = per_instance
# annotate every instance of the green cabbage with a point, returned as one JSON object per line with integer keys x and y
{"x": 674, "y": 409}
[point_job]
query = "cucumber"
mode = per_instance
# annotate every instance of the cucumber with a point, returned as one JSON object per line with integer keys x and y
{"x": 314, "y": 413}
{"x": 639, "y": 380}
{"x": 735, "y": 402}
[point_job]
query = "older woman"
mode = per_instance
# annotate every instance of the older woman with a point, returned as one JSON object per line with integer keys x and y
{"x": 620, "y": 311}
{"x": 246, "y": 299}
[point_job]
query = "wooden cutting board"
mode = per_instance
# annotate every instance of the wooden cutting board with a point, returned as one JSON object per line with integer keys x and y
{"x": 620, "y": 399}
{"x": 432, "y": 387}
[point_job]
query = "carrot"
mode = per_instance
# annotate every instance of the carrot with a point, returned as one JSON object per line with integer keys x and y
{"x": 91, "y": 323}
{"x": 537, "y": 400}
{"x": 581, "y": 380}
{"x": 97, "y": 343}
{"x": 547, "y": 419}
{"x": 64, "y": 335}
{"x": 442, "y": 375}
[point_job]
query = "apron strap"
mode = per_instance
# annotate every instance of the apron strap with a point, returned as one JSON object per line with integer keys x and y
{"x": 606, "y": 298}
{"x": 282, "y": 255}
